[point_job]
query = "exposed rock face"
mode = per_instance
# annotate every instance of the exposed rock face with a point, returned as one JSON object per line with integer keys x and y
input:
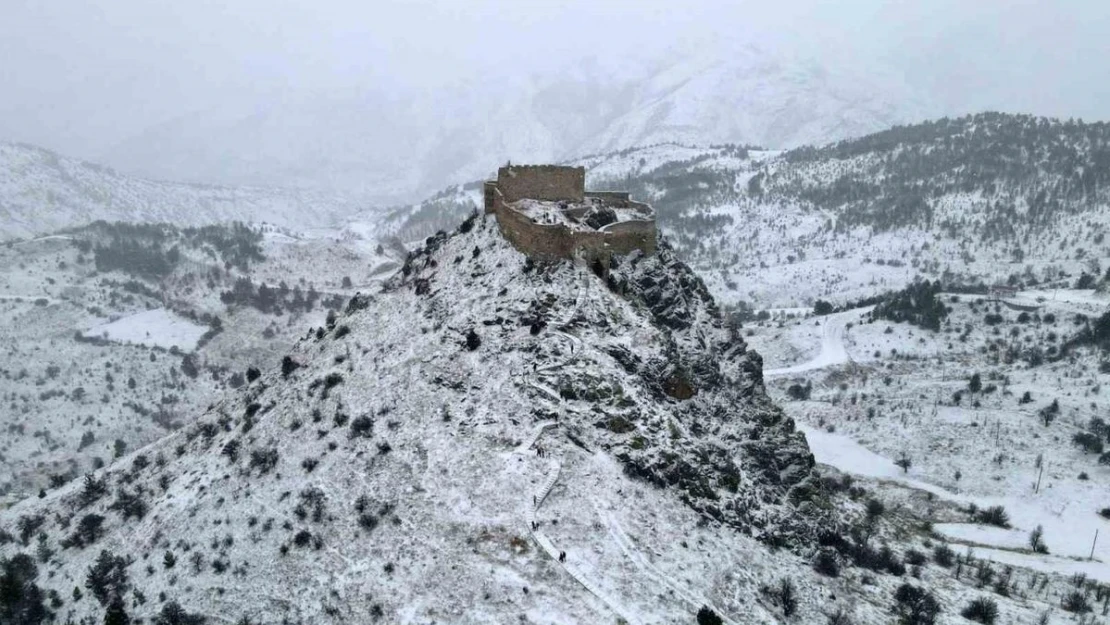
{"x": 693, "y": 411}
{"x": 399, "y": 443}
{"x": 738, "y": 451}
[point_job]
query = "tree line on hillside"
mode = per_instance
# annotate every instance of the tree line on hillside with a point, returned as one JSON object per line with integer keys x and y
{"x": 1028, "y": 169}
{"x": 278, "y": 299}
{"x": 153, "y": 251}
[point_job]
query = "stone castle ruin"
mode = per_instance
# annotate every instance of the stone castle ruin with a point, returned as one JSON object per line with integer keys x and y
{"x": 546, "y": 213}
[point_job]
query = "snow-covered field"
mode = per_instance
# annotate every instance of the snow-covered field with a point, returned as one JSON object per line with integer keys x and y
{"x": 156, "y": 328}
{"x": 861, "y": 419}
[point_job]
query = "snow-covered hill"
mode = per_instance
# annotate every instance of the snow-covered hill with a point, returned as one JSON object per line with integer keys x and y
{"x": 390, "y": 147}
{"x": 401, "y": 436}
{"x": 41, "y": 192}
{"x": 493, "y": 440}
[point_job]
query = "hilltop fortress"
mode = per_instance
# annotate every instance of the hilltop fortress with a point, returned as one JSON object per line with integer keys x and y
{"x": 546, "y": 213}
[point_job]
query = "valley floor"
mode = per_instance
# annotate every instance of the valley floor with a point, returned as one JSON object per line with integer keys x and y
{"x": 883, "y": 391}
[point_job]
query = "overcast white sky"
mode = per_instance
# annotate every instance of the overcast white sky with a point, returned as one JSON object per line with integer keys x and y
{"x": 82, "y": 75}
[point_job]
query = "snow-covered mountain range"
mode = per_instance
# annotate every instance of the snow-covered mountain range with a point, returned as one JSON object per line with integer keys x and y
{"x": 41, "y": 192}
{"x": 386, "y": 146}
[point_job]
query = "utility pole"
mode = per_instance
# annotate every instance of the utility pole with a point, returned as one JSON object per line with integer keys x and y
{"x": 1093, "y": 542}
{"x": 1037, "y": 488}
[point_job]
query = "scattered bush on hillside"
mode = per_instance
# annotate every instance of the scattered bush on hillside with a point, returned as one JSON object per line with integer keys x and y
{"x": 943, "y": 555}
{"x": 827, "y": 563}
{"x": 784, "y": 595}
{"x": 264, "y": 459}
{"x": 129, "y": 505}
{"x": 28, "y": 525}
{"x": 994, "y": 515}
{"x": 981, "y": 610}
{"x": 1076, "y": 601}
{"x": 93, "y": 490}
{"x": 173, "y": 614}
{"x": 231, "y": 450}
{"x": 1036, "y": 540}
{"x": 288, "y": 366}
{"x": 707, "y": 616}
{"x": 89, "y": 529}
{"x": 107, "y": 578}
{"x": 799, "y": 392}
{"x": 21, "y": 601}
{"x": 313, "y": 503}
{"x": 1088, "y": 442}
{"x": 1049, "y": 413}
{"x": 914, "y": 557}
{"x": 915, "y": 606}
{"x": 361, "y": 427}
{"x": 473, "y": 341}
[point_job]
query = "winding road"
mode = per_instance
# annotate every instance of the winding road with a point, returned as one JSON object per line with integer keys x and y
{"x": 833, "y": 351}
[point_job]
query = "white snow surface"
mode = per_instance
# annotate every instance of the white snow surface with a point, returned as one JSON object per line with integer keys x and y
{"x": 1065, "y": 512}
{"x": 391, "y": 417}
{"x": 157, "y": 328}
{"x": 832, "y": 351}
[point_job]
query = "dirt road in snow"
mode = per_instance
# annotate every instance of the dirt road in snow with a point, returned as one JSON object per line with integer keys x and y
{"x": 833, "y": 351}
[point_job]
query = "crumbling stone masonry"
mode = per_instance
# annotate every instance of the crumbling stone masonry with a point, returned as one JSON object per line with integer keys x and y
{"x": 624, "y": 226}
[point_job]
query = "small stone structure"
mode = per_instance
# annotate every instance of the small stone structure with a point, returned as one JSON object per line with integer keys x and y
{"x": 546, "y": 213}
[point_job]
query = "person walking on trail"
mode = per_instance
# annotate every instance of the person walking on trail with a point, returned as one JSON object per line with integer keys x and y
{"x": 562, "y": 557}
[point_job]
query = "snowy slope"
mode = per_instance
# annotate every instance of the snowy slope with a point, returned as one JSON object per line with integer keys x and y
{"x": 432, "y": 453}
{"x": 97, "y": 353}
{"x": 41, "y": 191}
{"x": 424, "y": 399}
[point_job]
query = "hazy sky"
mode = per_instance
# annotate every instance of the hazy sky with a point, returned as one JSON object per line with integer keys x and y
{"x": 82, "y": 75}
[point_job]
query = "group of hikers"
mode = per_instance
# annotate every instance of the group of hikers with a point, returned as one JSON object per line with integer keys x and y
{"x": 540, "y": 451}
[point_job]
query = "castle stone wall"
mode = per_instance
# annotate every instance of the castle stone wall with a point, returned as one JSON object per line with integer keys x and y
{"x": 489, "y": 194}
{"x": 544, "y": 241}
{"x": 542, "y": 182}
{"x": 558, "y": 241}
{"x": 617, "y": 199}
{"x": 625, "y": 236}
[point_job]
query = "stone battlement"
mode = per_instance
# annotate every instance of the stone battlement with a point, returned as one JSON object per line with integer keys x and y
{"x": 546, "y": 213}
